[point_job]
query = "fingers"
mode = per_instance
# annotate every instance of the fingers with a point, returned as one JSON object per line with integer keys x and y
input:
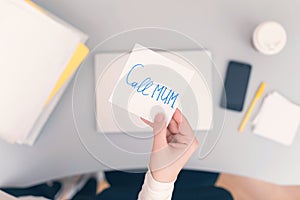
{"x": 183, "y": 124}
{"x": 170, "y": 138}
{"x": 160, "y": 132}
{"x": 177, "y": 116}
{"x": 173, "y": 127}
{"x": 175, "y": 122}
{"x": 147, "y": 122}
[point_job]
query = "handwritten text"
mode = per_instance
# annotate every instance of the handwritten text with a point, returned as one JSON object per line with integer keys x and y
{"x": 152, "y": 90}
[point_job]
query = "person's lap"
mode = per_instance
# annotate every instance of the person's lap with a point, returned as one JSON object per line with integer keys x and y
{"x": 45, "y": 190}
{"x": 189, "y": 185}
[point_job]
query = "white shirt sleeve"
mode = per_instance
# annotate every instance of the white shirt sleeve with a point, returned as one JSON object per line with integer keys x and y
{"x": 154, "y": 190}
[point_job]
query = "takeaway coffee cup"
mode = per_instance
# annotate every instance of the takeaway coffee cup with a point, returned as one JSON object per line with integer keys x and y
{"x": 269, "y": 38}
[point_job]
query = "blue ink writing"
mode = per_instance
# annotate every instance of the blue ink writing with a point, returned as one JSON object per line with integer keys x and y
{"x": 157, "y": 91}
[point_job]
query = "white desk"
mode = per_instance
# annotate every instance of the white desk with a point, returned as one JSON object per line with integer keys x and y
{"x": 224, "y": 27}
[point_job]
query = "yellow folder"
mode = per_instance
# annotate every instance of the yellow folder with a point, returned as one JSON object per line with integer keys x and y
{"x": 34, "y": 5}
{"x": 79, "y": 55}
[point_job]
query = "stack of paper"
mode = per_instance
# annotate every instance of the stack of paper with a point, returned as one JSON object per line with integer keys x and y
{"x": 38, "y": 56}
{"x": 278, "y": 119}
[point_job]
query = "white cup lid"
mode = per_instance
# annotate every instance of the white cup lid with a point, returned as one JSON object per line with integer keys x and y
{"x": 269, "y": 38}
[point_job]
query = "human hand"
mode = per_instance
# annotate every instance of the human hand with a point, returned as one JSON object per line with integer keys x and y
{"x": 172, "y": 146}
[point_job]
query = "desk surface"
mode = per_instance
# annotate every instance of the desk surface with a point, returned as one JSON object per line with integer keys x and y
{"x": 224, "y": 27}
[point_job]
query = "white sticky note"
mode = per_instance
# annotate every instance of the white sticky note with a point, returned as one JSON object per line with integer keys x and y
{"x": 278, "y": 119}
{"x": 150, "y": 83}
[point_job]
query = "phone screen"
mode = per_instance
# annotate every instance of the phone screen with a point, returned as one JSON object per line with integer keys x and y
{"x": 235, "y": 87}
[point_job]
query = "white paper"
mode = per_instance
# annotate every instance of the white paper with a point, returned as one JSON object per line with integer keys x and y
{"x": 108, "y": 67}
{"x": 278, "y": 119}
{"x": 160, "y": 95}
{"x": 42, "y": 119}
{"x": 33, "y": 53}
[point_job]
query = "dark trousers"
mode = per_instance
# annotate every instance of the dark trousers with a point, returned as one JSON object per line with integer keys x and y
{"x": 190, "y": 185}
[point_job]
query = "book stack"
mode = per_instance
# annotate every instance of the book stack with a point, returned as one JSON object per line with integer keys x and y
{"x": 39, "y": 54}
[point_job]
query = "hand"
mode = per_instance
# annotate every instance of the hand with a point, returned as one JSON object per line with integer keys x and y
{"x": 172, "y": 146}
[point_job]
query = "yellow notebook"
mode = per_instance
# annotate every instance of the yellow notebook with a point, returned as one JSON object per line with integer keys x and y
{"x": 80, "y": 53}
{"x": 34, "y": 5}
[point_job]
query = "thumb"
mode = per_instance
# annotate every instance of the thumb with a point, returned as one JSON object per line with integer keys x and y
{"x": 160, "y": 132}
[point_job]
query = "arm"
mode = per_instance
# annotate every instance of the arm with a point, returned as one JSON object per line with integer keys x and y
{"x": 172, "y": 148}
{"x": 154, "y": 190}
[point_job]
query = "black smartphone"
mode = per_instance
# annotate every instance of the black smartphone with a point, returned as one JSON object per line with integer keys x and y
{"x": 235, "y": 86}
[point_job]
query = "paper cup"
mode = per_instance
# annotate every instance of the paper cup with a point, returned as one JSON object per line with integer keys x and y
{"x": 269, "y": 38}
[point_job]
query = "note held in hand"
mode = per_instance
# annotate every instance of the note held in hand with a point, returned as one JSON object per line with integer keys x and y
{"x": 150, "y": 84}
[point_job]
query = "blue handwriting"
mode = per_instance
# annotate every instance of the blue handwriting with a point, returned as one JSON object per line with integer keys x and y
{"x": 155, "y": 91}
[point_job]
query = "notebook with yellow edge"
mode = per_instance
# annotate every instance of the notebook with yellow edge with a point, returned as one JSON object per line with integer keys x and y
{"x": 79, "y": 55}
